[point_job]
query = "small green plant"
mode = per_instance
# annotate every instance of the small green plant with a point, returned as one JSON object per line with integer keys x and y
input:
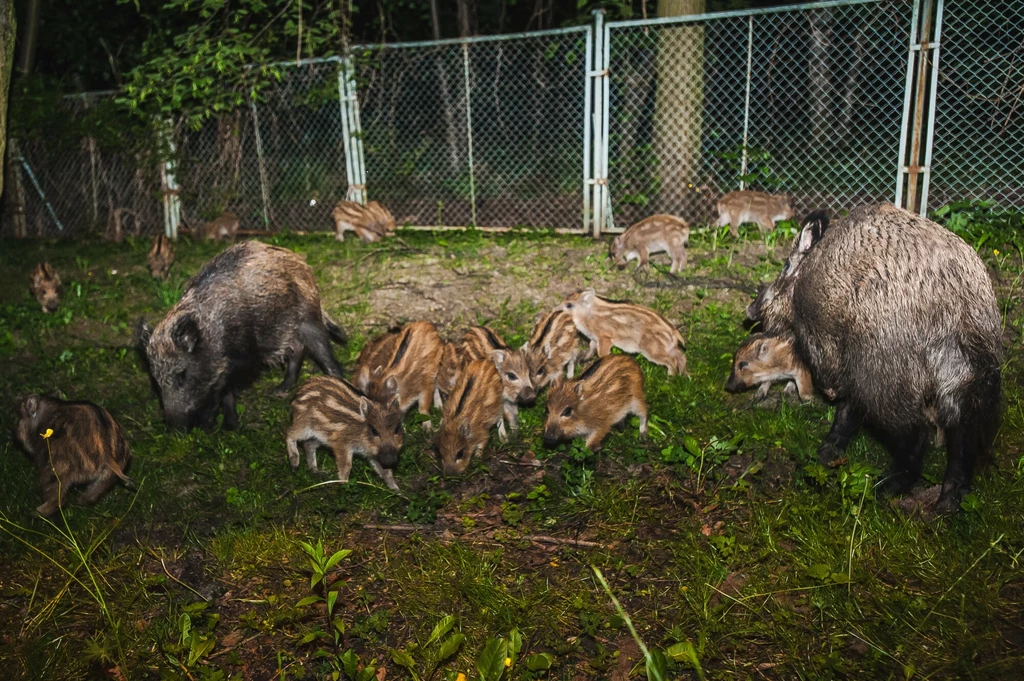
{"x": 701, "y": 460}
{"x": 194, "y": 641}
{"x": 440, "y": 647}
{"x": 321, "y": 564}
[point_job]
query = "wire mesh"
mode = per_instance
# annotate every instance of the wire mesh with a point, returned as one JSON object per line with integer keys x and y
{"x": 978, "y": 147}
{"x": 825, "y": 90}
{"x": 806, "y": 100}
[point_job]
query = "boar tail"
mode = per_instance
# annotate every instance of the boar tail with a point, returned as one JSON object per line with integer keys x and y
{"x": 337, "y": 333}
{"x": 115, "y": 468}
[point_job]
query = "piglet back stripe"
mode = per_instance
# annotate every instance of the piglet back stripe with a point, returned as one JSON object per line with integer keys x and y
{"x": 402, "y": 347}
{"x": 465, "y": 394}
{"x": 590, "y": 370}
{"x": 493, "y": 339}
{"x": 547, "y": 329}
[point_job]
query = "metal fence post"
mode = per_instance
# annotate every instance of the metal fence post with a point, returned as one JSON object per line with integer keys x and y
{"x": 469, "y": 132}
{"x": 261, "y": 164}
{"x": 346, "y": 130}
{"x": 172, "y": 203}
{"x": 746, "y": 105}
{"x": 598, "y": 180}
{"x": 588, "y": 112}
{"x": 358, "y": 161}
{"x": 913, "y": 170}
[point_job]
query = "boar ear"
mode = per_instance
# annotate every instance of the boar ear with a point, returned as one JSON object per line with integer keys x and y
{"x": 363, "y": 378}
{"x": 812, "y": 227}
{"x": 32, "y": 405}
{"x": 499, "y": 358}
{"x": 762, "y": 348}
{"x": 364, "y": 407}
{"x": 588, "y": 295}
{"x": 391, "y": 386}
{"x": 186, "y": 334}
{"x": 464, "y": 430}
{"x": 578, "y": 388}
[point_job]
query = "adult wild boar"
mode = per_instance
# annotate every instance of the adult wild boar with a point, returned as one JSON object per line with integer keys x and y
{"x": 251, "y": 306}
{"x": 897, "y": 320}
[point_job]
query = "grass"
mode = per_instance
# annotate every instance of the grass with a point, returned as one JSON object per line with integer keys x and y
{"x": 727, "y": 548}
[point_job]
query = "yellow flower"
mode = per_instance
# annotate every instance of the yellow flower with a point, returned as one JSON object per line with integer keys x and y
{"x": 508, "y": 661}
{"x": 554, "y": 563}
{"x": 995, "y": 251}
{"x": 47, "y": 434}
{"x": 460, "y": 677}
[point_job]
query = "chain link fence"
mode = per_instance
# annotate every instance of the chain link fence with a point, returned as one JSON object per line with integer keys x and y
{"x": 978, "y": 146}
{"x": 535, "y": 130}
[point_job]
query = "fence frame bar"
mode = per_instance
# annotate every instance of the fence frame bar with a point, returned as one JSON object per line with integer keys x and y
{"x": 598, "y": 72}
{"x": 936, "y": 45}
{"x": 746, "y": 104}
{"x": 469, "y": 132}
{"x": 588, "y": 112}
{"x": 346, "y": 135}
{"x": 732, "y": 14}
{"x": 261, "y": 164}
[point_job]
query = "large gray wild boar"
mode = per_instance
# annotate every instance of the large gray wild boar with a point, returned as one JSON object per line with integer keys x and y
{"x": 252, "y": 305}
{"x": 898, "y": 322}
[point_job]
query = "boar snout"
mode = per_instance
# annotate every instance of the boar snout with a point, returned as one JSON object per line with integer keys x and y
{"x": 551, "y": 439}
{"x": 528, "y": 396}
{"x": 388, "y": 457}
{"x": 735, "y": 385}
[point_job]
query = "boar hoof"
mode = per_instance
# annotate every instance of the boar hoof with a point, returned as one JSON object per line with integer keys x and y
{"x": 47, "y": 509}
{"x": 427, "y": 426}
{"x": 830, "y": 455}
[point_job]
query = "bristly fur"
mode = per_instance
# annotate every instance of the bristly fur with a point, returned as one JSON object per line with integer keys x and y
{"x": 251, "y": 306}
{"x": 371, "y": 222}
{"x": 606, "y": 393}
{"x": 897, "y": 319}
{"x": 475, "y": 405}
{"x": 553, "y": 349}
{"x": 631, "y": 328}
{"x": 333, "y": 413}
{"x": 86, "y": 447}
{"x": 656, "y": 234}
{"x": 45, "y": 286}
{"x": 412, "y": 354}
{"x": 764, "y": 359}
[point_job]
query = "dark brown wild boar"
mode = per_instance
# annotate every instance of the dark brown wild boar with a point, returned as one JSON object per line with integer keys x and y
{"x": 72, "y": 443}
{"x": 251, "y": 306}
{"x": 161, "y": 257}
{"x": 45, "y": 286}
{"x": 332, "y": 413}
{"x": 589, "y": 406}
{"x": 897, "y": 319}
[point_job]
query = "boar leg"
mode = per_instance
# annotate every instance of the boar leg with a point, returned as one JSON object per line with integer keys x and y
{"x": 230, "y": 412}
{"x": 385, "y": 474}
{"x": 291, "y": 374}
{"x": 907, "y": 451}
{"x": 595, "y": 439}
{"x": 844, "y": 427}
{"x": 98, "y": 487}
{"x": 642, "y": 258}
{"x": 604, "y": 346}
{"x": 51, "y": 493}
{"x": 570, "y": 368}
{"x": 961, "y": 454}
{"x": 678, "y": 256}
{"x": 762, "y": 391}
{"x": 310, "y": 447}
{"x": 343, "y": 458}
{"x": 437, "y": 398}
{"x": 512, "y": 416}
{"x": 734, "y": 225}
{"x": 640, "y": 409}
{"x": 502, "y": 433}
{"x": 317, "y": 341}
{"x": 292, "y": 443}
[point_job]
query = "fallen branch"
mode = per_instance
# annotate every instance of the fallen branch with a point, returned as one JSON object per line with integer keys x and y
{"x": 582, "y": 543}
{"x": 534, "y": 463}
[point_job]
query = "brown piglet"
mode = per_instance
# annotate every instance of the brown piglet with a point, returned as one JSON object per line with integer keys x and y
{"x": 554, "y": 348}
{"x": 589, "y": 406}
{"x": 412, "y": 354}
{"x": 631, "y": 328}
{"x": 476, "y": 404}
{"x": 45, "y": 286}
{"x": 332, "y": 413}
{"x": 764, "y": 359}
{"x": 764, "y": 210}
{"x": 370, "y": 223}
{"x": 72, "y": 443}
{"x": 656, "y": 234}
{"x": 161, "y": 257}
{"x": 222, "y": 228}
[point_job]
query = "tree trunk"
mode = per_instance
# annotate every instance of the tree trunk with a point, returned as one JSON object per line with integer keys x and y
{"x": 820, "y": 76}
{"x": 679, "y": 103}
{"x": 29, "y": 37}
{"x": 8, "y": 30}
{"x": 450, "y": 133}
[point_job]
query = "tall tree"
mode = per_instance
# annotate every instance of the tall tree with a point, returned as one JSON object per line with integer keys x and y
{"x": 679, "y": 103}
{"x": 7, "y": 33}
